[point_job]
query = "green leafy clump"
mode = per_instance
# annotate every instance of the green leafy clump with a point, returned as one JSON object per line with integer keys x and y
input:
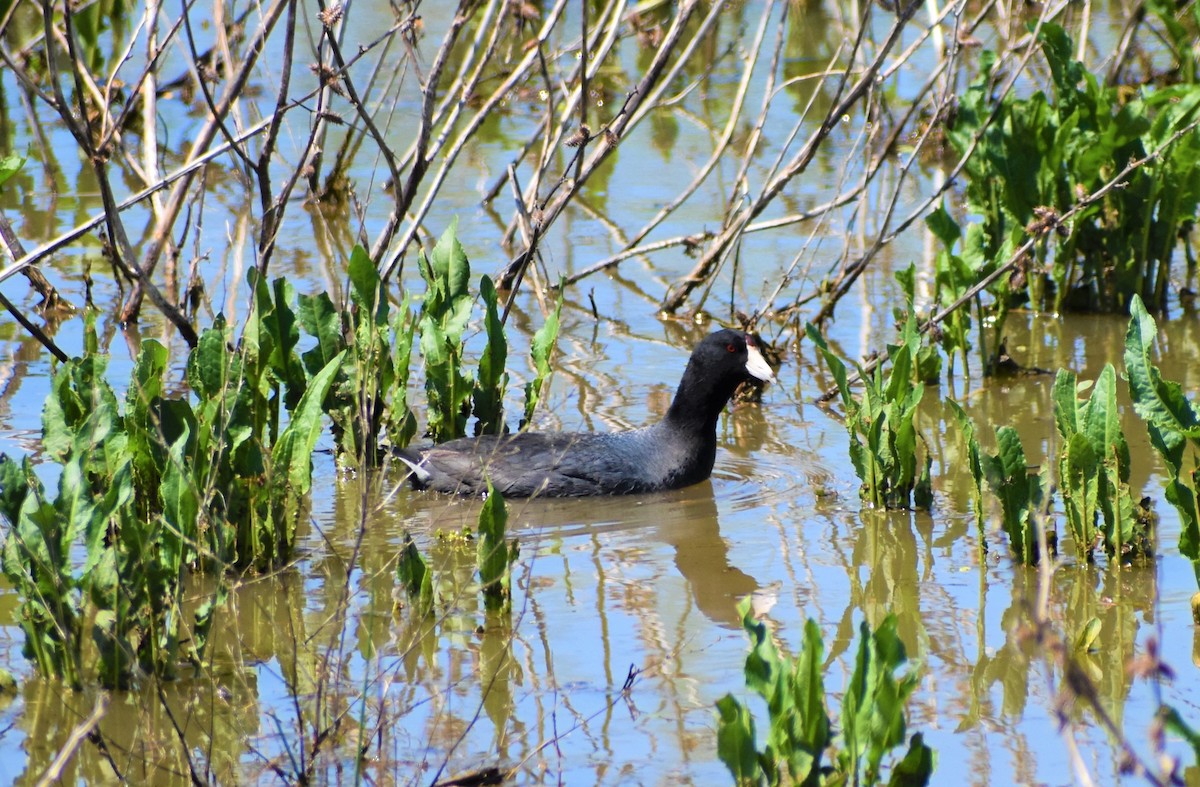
{"x": 208, "y": 480}
{"x": 368, "y": 402}
{"x": 801, "y": 734}
{"x": 1038, "y": 157}
{"x": 883, "y": 435}
{"x": 219, "y": 478}
{"x": 1021, "y": 494}
{"x": 454, "y": 395}
{"x": 1173, "y": 422}
{"x": 126, "y": 594}
{"x": 444, "y": 316}
{"x": 1093, "y": 470}
{"x": 369, "y": 395}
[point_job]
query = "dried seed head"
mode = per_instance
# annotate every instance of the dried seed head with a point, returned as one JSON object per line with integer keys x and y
{"x": 328, "y": 77}
{"x": 331, "y": 15}
{"x": 581, "y": 135}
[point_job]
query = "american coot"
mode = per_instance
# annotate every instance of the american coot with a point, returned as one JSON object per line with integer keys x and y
{"x": 675, "y": 452}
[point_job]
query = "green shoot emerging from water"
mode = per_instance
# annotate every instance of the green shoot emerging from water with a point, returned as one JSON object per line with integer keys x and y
{"x": 801, "y": 733}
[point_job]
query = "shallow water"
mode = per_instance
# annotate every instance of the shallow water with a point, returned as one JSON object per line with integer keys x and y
{"x": 637, "y": 592}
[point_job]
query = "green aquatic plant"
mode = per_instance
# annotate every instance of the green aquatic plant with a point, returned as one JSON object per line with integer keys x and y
{"x": 445, "y": 313}
{"x": 412, "y": 569}
{"x": 954, "y": 275}
{"x": 1173, "y": 423}
{"x": 801, "y": 746}
{"x": 926, "y": 360}
{"x": 1093, "y": 470}
{"x": 487, "y": 398}
{"x": 1036, "y": 158}
{"x": 100, "y": 560}
{"x": 884, "y": 439}
{"x": 494, "y": 557}
{"x": 1021, "y": 493}
{"x": 207, "y": 480}
{"x": 540, "y": 352}
{"x": 369, "y": 397}
{"x": 495, "y": 554}
{"x": 453, "y": 394}
{"x": 970, "y": 444}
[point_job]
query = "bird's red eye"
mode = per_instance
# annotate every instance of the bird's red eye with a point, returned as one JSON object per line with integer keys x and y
{"x": 731, "y": 348}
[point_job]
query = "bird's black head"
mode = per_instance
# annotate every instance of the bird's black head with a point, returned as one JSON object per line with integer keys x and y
{"x": 719, "y": 364}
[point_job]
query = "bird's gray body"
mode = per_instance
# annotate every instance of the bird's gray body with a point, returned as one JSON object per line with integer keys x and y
{"x": 558, "y": 464}
{"x": 677, "y": 451}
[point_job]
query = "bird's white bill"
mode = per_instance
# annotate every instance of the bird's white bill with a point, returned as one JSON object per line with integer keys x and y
{"x": 757, "y": 365}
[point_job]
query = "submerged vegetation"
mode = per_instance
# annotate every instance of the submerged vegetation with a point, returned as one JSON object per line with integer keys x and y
{"x": 221, "y": 148}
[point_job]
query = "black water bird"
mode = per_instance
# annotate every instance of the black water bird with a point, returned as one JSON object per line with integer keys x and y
{"x": 677, "y": 451}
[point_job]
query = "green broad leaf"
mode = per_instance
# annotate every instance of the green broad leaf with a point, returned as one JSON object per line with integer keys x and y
{"x": 943, "y": 226}
{"x": 77, "y": 506}
{"x": 837, "y": 368}
{"x": 146, "y": 382}
{"x": 14, "y": 487}
{"x": 1125, "y": 534}
{"x": 808, "y": 697}
{"x": 900, "y": 379}
{"x": 447, "y": 386}
{"x": 1065, "y": 404}
{"x": 413, "y": 572}
{"x": 856, "y": 702}
{"x": 1080, "y": 491}
{"x": 1007, "y": 474}
{"x": 61, "y": 414}
{"x": 1171, "y": 421}
{"x": 447, "y": 276}
{"x": 494, "y": 555}
{"x": 541, "y": 351}
{"x": 1101, "y": 418}
{"x": 208, "y": 364}
{"x": 736, "y": 742}
{"x": 491, "y": 380}
{"x": 763, "y": 669}
{"x": 322, "y": 321}
{"x": 282, "y": 326}
{"x": 291, "y": 458}
{"x": 907, "y": 279}
{"x": 402, "y": 424}
{"x": 366, "y": 286}
{"x": 1161, "y": 403}
{"x": 10, "y": 165}
{"x": 890, "y": 695}
{"x": 180, "y": 505}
